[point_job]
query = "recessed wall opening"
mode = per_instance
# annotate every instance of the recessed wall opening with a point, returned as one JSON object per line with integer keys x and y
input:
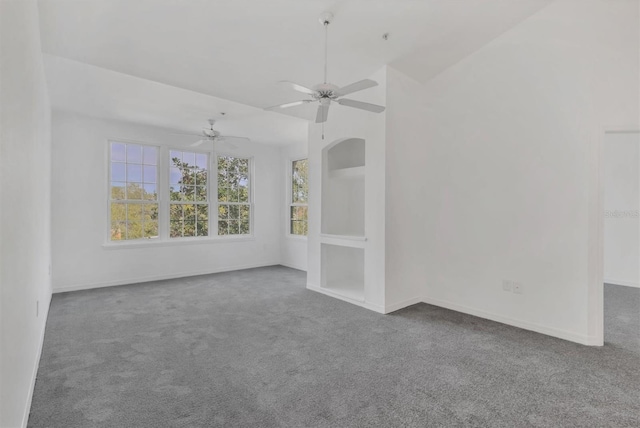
{"x": 343, "y": 188}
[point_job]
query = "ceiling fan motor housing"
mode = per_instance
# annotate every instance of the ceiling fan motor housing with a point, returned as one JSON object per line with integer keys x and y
{"x": 326, "y": 90}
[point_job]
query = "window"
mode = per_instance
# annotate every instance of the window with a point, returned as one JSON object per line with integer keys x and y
{"x": 299, "y": 197}
{"x": 234, "y": 196}
{"x": 188, "y": 194}
{"x": 133, "y": 196}
{"x": 170, "y": 194}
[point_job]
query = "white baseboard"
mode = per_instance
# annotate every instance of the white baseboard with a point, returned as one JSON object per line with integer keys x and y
{"x": 89, "y": 286}
{"x": 549, "y": 331}
{"x": 622, "y": 282}
{"x": 293, "y": 266}
{"x": 36, "y": 366}
{"x": 403, "y": 304}
{"x": 366, "y": 305}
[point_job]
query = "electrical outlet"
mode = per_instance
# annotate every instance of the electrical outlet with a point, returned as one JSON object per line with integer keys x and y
{"x": 506, "y": 285}
{"x": 517, "y": 288}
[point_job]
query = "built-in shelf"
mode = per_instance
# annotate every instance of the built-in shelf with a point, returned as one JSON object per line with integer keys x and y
{"x": 343, "y": 240}
{"x": 353, "y": 172}
{"x": 343, "y": 270}
{"x": 347, "y": 288}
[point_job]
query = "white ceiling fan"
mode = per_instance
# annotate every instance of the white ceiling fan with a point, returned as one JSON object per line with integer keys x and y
{"x": 325, "y": 93}
{"x": 211, "y": 135}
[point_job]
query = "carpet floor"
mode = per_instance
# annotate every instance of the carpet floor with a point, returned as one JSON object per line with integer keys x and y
{"x": 254, "y": 348}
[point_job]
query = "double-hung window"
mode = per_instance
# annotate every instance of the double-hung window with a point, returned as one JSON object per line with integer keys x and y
{"x": 234, "y": 196}
{"x": 298, "y": 208}
{"x": 168, "y": 194}
{"x": 133, "y": 195}
{"x": 188, "y": 194}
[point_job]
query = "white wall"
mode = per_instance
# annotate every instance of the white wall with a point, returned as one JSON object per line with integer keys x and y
{"x": 79, "y": 210}
{"x": 25, "y": 251}
{"x": 293, "y": 248}
{"x": 622, "y": 204}
{"x": 493, "y": 172}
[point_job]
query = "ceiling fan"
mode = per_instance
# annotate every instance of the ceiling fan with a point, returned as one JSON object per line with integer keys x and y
{"x": 211, "y": 135}
{"x": 325, "y": 93}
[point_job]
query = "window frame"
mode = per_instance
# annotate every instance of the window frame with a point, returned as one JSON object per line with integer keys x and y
{"x": 251, "y": 193}
{"x": 290, "y": 202}
{"x": 110, "y": 201}
{"x": 163, "y": 199}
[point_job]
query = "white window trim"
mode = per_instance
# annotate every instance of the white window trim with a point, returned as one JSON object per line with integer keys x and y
{"x": 162, "y": 188}
{"x": 289, "y": 200}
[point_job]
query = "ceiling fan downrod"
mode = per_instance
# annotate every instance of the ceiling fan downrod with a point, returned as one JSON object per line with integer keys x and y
{"x": 325, "y": 20}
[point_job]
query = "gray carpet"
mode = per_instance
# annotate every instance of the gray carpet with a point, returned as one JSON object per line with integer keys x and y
{"x": 254, "y": 348}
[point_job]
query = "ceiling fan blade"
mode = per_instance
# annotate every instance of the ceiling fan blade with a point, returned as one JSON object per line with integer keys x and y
{"x": 186, "y": 133}
{"x": 361, "y": 105}
{"x": 357, "y": 86}
{"x": 292, "y": 104}
{"x": 299, "y": 88}
{"x": 228, "y": 138}
{"x": 323, "y": 112}
{"x": 198, "y": 143}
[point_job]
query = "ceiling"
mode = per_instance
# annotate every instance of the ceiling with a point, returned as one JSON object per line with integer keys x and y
{"x": 173, "y": 60}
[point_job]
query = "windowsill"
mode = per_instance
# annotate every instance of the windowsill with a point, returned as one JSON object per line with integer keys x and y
{"x": 152, "y": 243}
{"x": 296, "y": 237}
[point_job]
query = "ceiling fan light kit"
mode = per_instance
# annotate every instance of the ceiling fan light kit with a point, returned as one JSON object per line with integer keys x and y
{"x": 325, "y": 93}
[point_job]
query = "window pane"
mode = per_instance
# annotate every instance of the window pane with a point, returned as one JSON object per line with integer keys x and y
{"x": 201, "y": 177}
{"x": 175, "y": 157}
{"x": 222, "y": 194}
{"x": 244, "y": 227}
{"x": 118, "y": 190}
{"x": 175, "y": 212}
{"x": 299, "y": 213}
{"x": 118, "y": 171}
{"x": 134, "y": 173}
{"x": 223, "y": 212}
{"x": 118, "y": 152}
{"x": 189, "y": 193}
{"x": 234, "y": 227}
{"x": 188, "y": 159}
{"x": 150, "y": 192}
{"x": 149, "y": 174}
{"x": 299, "y": 181}
{"x": 244, "y": 212}
{"x": 175, "y": 229}
{"x": 189, "y": 212}
{"x": 175, "y": 176}
{"x": 223, "y": 227}
{"x": 201, "y": 161}
{"x": 150, "y": 219}
{"x": 134, "y": 191}
{"x": 189, "y": 228}
{"x": 134, "y": 153}
{"x": 150, "y": 156}
{"x": 201, "y": 193}
{"x": 202, "y": 220}
{"x": 118, "y": 212}
{"x": 232, "y": 195}
{"x": 234, "y": 212}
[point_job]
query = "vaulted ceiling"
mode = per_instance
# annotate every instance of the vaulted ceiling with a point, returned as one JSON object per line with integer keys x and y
{"x": 178, "y": 62}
